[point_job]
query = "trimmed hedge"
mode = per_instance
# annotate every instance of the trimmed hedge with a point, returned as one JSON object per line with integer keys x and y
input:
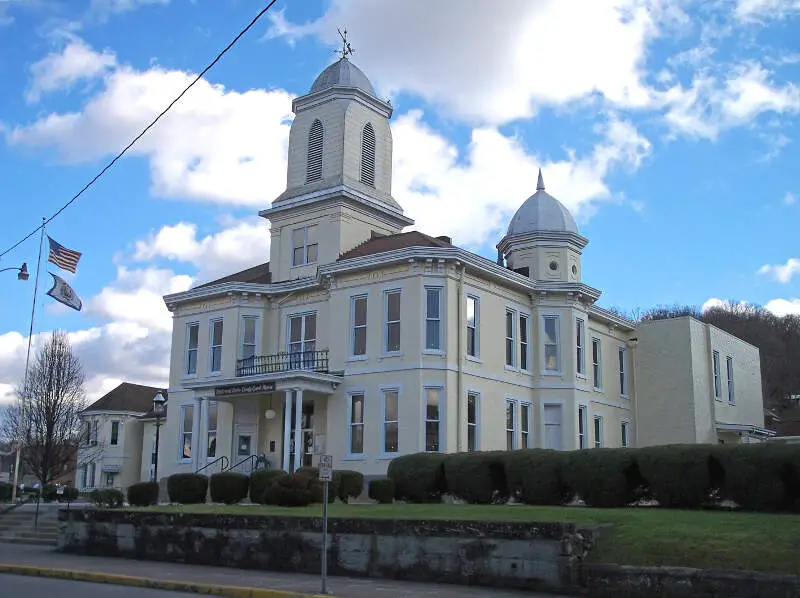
{"x": 333, "y": 485}
{"x": 350, "y": 484}
{"x": 536, "y": 477}
{"x": 109, "y": 498}
{"x": 294, "y": 490}
{"x": 143, "y": 494}
{"x": 478, "y": 478}
{"x": 187, "y": 488}
{"x": 603, "y": 477}
{"x": 259, "y": 482}
{"x": 419, "y": 477}
{"x": 229, "y": 487}
{"x": 382, "y": 490}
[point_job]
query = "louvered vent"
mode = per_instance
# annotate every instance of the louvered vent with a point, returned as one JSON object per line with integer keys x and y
{"x": 368, "y": 155}
{"x": 314, "y": 165}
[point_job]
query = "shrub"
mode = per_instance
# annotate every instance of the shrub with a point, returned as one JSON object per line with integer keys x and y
{"x": 5, "y": 492}
{"x": 350, "y": 484}
{"x": 681, "y": 475}
{"x": 763, "y": 477}
{"x": 382, "y": 490}
{"x": 49, "y": 493}
{"x": 70, "y": 494}
{"x": 604, "y": 477}
{"x": 187, "y": 488}
{"x": 293, "y": 490}
{"x": 333, "y": 485}
{"x": 229, "y": 487}
{"x": 259, "y": 482}
{"x": 536, "y": 475}
{"x": 418, "y": 478}
{"x": 109, "y": 498}
{"x": 143, "y": 494}
{"x": 477, "y": 477}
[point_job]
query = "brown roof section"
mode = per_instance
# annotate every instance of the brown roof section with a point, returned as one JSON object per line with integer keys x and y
{"x": 384, "y": 243}
{"x": 127, "y": 397}
{"x": 257, "y": 275}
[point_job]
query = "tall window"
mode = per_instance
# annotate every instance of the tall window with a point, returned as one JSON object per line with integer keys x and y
{"x": 552, "y": 427}
{"x": 94, "y": 432}
{"x": 472, "y": 421}
{"x": 717, "y": 381}
{"x": 305, "y": 245}
{"x": 472, "y": 326}
{"x": 580, "y": 341}
{"x": 390, "y": 421}
{"x": 358, "y": 311}
{"x": 623, "y": 371}
{"x": 186, "y": 424}
{"x": 433, "y": 418}
{"x": 552, "y": 357}
{"x": 368, "y": 155}
{"x": 597, "y": 372}
{"x": 624, "y": 439}
{"x": 216, "y": 345}
{"x": 356, "y": 431}
{"x": 316, "y": 136}
{"x": 731, "y": 395}
{"x": 511, "y": 425}
{"x": 114, "y": 433}
{"x": 582, "y": 424}
{"x": 249, "y": 337}
{"x": 510, "y": 338}
{"x": 525, "y": 425}
{"x": 212, "y": 430}
{"x": 92, "y": 474}
{"x": 192, "y": 339}
{"x": 84, "y": 476}
{"x": 598, "y": 431}
{"x": 524, "y": 353}
{"x": 433, "y": 318}
{"x": 392, "y": 334}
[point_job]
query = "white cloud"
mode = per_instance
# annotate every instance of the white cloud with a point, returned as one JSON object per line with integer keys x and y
{"x": 749, "y": 10}
{"x": 784, "y": 307}
{"x": 715, "y": 302}
{"x": 789, "y": 199}
{"x": 782, "y": 272}
{"x": 103, "y": 8}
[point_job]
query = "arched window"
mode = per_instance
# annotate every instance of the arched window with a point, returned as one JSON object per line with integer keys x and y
{"x": 368, "y": 155}
{"x": 314, "y": 164}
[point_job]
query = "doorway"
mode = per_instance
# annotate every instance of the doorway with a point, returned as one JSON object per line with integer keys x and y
{"x": 307, "y": 425}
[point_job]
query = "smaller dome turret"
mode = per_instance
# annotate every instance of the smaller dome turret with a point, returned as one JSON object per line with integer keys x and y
{"x": 542, "y": 212}
{"x": 343, "y": 73}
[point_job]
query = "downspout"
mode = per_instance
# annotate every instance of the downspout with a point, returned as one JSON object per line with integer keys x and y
{"x": 460, "y": 372}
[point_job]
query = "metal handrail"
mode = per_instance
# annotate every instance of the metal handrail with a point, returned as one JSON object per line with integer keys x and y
{"x": 314, "y": 361}
{"x": 223, "y": 460}
{"x": 253, "y": 460}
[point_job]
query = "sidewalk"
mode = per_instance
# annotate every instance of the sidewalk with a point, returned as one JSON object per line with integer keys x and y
{"x": 344, "y": 587}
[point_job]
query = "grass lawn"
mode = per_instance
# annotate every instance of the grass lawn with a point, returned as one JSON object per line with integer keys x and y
{"x": 703, "y": 539}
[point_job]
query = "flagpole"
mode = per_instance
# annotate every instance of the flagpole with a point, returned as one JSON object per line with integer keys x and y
{"x": 27, "y": 364}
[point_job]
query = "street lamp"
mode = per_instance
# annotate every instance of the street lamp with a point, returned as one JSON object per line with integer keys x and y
{"x": 158, "y": 409}
{"x": 22, "y": 273}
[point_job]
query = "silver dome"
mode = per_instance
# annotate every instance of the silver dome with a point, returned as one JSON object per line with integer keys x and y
{"x": 542, "y": 212}
{"x": 342, "y": 73}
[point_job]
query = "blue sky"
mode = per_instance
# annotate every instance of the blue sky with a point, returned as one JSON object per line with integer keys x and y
{"x": 667, "y": 126}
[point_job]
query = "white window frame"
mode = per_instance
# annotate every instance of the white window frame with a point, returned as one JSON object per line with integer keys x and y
{"x": 92, "y": 475}
{"x": 211, "y": 346}
{"x": 242, "y": 340}
{"x": 182, "y": 433}
{"x": 354, "y": 327}
{"x": 439, "y": 290}
{"x": 387, "y": 323}
{"x": 731, "y": 385}
{"x": 189, "y": 349}
{"x": 524, "y": 325}
{"x": 306, "y": 246}
{"x": 111, "y": 432}
{"x": 717, "y": 376}
{"x": 545, "y": 344}
{"x": 84, "y": 475}
{"x": 385, "y": 391}
{"x": 351, "y": 394}
{"x": 93, "y": 437}
{"x": 440, "y": 421}
{"x": 510, "y": 341}
{"x": 625, "y": 434}
{"x": 305, "y": 357}
{"x": 583, "y": 423}
{"x": 511, "y": 432}
{"x": 476, "y": 425}
{"x": 597, "y": 424}
{"x": 560, "y": 406}
{"x": 580, "y": 347}
{"x": 597, "y": 364}
{"x": 525, "y": 425}
{"x": 211, "y": 433}
{"x": 474, "y": 329}
{"x": 622, "y": 355}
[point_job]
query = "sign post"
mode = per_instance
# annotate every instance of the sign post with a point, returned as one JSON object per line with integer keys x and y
{"x": 325, "y": 476}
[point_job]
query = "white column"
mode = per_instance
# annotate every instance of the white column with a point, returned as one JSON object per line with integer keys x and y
{"x": 198, "y": 405}
{"x": 298, "y": 429}
{"x": 287, "y": 428}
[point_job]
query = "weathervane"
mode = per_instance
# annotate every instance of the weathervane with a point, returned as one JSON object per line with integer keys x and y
{"x": 346, "y": 49}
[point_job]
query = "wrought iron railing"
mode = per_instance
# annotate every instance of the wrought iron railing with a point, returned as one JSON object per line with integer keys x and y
{"x": 314, "y": 361}
{"x": 250, "y": 464}
{"x": 217, "y": 465}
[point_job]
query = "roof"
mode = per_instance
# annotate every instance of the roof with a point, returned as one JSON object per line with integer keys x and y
{"x": 384, "y": 243}
{"x": 542, "y": 212}
{"x": 257, "y": 274}
{"x": 342, "y": 73}
{"x": 127, "y": 397}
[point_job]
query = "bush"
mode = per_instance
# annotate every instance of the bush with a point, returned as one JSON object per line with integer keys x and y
{"x": 418, "y": 478}
{"x": 350, "y": 484}
{"x": 70, "y": 494}
{"x": 293, "y": 490}
{"x": 382, "y": 490}
{"x": 763, "y": 477}
{"x": 143, "y": 494}
{"x": 259, "y": 482}
{"x": 5, "y": 492}
{"x": 109, "y": 498}
{"x": 682, "y": 476}
{"x": 49, "y": 494}
{"x": 333, "y": 485}
{"x": 477, "y": 477}
{"x": 187, "y": 488}
{"x": 229, "y": 487}
{"x": 536, "y": 476}
{"x": 604, "y": 477}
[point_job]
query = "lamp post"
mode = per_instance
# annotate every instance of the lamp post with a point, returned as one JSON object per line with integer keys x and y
{"x": 158, "y": 409}
{"x": 22, "y": 271}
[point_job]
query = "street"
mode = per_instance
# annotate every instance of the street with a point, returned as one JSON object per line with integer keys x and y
{"x": 22, "y": 586}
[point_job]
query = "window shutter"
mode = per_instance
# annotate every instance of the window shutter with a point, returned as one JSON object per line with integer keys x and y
{"x": 368, "y": 155}
{"x": 314, "y": 164}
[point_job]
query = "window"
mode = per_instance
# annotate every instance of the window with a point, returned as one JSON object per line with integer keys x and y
{"x": 524, "y": 359}
{"x": 597, "y": 372}
{"x": 358, "y": 311}
{"x": 731, "y": 395}
{"x": 717, "y": 381}
{"x": 93, "y": 439}
{"x": 304, "y": 245}
{"x": 84, "y": 476}
{"x": 472, "y": 421}
{"x": 303, "y": 340}
{"x": 511, "y": 425}
{"x": 392, "y": 338}
{"x": 472, "y": 326}
{"x": 525, "y": 425}
{"x": 249, "y": 325}
{"x": 186, "y": 423}
{"x": 433, "y": 318}
{"x": 598, "y": 431}
{"x": 623, "y": 371}
{"x": 109, "y": 480}
{"x": 552, "y": 357}
{"x": 390, "y": 421}
{"x": 580, "y": 341}
{"x": 433, "y": 433}
{"x": 356, "y": 431}
{"x": 316, "y": 136}
{"x": 114, "y": 433}
{"x": 582, "y": 425}
{"x": 552, "y": 427}
{"x": 624, "y": 439}
{"x": 510, "y": 338}
{"x": 92, "y": 473}
{"x": 215, "y": 349}
{"x": 192, "y": 336}
{"x": 368, "y": 155}
{"x": 211, "y": 440}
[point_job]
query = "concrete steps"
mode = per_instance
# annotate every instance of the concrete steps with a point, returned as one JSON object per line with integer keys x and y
{"x": 16, "y": 527}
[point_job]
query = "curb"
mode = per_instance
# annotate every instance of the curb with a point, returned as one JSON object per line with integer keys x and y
{"x": 144, "y": 582}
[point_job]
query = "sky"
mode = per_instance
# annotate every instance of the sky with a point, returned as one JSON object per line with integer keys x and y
{"x": 668, "y": 127}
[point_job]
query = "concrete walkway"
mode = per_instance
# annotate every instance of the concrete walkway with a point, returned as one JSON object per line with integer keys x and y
{"x": 42, "y": 557}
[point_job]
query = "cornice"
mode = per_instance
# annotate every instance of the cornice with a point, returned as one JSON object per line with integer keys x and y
{"x": 611, "y": 318}
{"x": 312, "y": 100}
{"x": 541, "y": 237}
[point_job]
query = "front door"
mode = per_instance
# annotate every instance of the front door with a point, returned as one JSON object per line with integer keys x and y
{"x": 307, "y": 425}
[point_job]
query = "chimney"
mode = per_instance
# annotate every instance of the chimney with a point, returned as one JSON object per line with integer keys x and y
{"x": 499, "y": 258}
{"x": 445, "y": 238}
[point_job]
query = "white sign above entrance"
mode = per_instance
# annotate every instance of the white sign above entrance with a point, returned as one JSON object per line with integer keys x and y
{"x": 244, "y": 389}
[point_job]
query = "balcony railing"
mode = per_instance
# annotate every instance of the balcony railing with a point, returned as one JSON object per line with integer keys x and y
{"x": 309, "y": 361}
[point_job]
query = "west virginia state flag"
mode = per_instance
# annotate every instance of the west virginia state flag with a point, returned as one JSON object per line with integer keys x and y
{"x": 63, "y": 293}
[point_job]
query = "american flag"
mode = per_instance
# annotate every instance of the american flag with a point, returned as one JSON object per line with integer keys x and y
{"x": 64, "y": 258}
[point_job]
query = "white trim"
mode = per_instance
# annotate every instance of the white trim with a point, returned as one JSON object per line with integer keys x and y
{"x": 543, "y": 424}
{"x": 731, "y": 380}
{"x": 211, "y": 346}
{"x": 583, "y": 420}
{"x": 439, "y": 289}
{"x": 186, "y": 372}
{"x": 305, "y": 246}
{"x": 442, "y": 417}
{"x": 580, "y": 347}
{"x": 622, "y": 367}
{"x": 530, "y": 442}
{"x": 243, "y": 319}
{"x": 543, "y": 336}
{"x": 510, "y": 341}
{"x": 598, "y": 440}
{"x": 383, "y": 453}
{"x": 513, "y": 431}
{"x": 349, "y": 454}
{"x": 477, "y": 425}
{"x": 717, "y": 372}
{"x": 385, "y": 323}
{"x": 302, "y": 314}
{"x": 476, "y": 327}
{"x": 597, "y": 367}
{"x": 625, "y": 433}
{"x": 528, "y": 365}
{"x": 182, "y": 432}
{"x": 352, "y": 326}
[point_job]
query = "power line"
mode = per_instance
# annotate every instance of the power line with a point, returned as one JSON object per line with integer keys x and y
{"x": 140, "y": 135}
